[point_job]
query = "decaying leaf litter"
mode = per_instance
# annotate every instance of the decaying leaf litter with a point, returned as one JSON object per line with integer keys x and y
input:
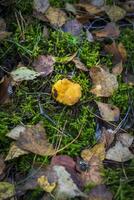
{"x": 64, "y": 176}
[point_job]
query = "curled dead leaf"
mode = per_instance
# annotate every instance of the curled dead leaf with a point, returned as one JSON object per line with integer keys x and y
{"x": 66, "y": 92}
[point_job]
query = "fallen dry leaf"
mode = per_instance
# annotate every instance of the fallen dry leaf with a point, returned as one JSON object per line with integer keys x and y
{"x": 45, "y": 185}
{"x": 63, "y": 160}
{"x": 15, "y": 152}
{"x": 91, "y": 9}
{"x": 34, "y": 140}
{"x": 110, "y": 30}
{"x": 119, "y": 56}
{"x": 66, "y": 187}
{"x": 44, "y": 64}
{"x": 80, "y": 65}
{"x": 15, "y": 132}
{"x": 66, "y": 92}
{"x": 56, "y": 16}
{"x": 7, "y": 190}
{"x": 70, "y": 166}
{"x": 126, "y": 139}
{"x": 105, "y": 83}
{"x": 2, "y": 166}
{"x": 115, "y": 13}
{"x": 23, "y": 73}
{"x": 120, "y": 151}
{"x": 41, "y": 6}
{"x": 93, "y": 175}
{"x": 112, "y": 49}
{"x": 73, "y": 26}
{"x": 108, "y": 112}
{"x": 98, "y": 150}
{"x": 100, "y": 192}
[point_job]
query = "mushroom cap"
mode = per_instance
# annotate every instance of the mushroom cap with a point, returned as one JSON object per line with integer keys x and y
{"x": 66, "y": 92}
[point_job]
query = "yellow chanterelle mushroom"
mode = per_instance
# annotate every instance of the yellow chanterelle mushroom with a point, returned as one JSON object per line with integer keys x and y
{"x": 66, "y": 92}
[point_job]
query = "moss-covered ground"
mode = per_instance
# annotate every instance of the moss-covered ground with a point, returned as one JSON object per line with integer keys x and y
{"x": 27, "y": 42}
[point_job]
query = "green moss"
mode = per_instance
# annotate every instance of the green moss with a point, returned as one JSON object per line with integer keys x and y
{"x": 121, "y": 181}
{"x": 61, "y": 44}
{"x": 109, "y": 2}
{"x": 89, "y": 53}
{"x": 26, "y": 7}
{"x": 60, "y": 4}
{"x": 29, "y": 41}
{"x": 127, "y": 39}
{"x": 122, "y": 97}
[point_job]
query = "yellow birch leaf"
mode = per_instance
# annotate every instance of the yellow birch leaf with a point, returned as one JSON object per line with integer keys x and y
{"x": 98, "y": 151}
{"x": 45, "y": 185}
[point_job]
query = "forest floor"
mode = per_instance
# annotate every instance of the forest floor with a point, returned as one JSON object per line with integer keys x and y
{"x": 95, "y": 50}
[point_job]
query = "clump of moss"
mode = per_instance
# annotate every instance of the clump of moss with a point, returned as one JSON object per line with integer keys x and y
{"x": 127, "y": 39}
{"x": 89, "y": 53}
{"x": 122, "y": 97}
{"x": 26, "y": 7}
{"x": 120, "y": 181}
